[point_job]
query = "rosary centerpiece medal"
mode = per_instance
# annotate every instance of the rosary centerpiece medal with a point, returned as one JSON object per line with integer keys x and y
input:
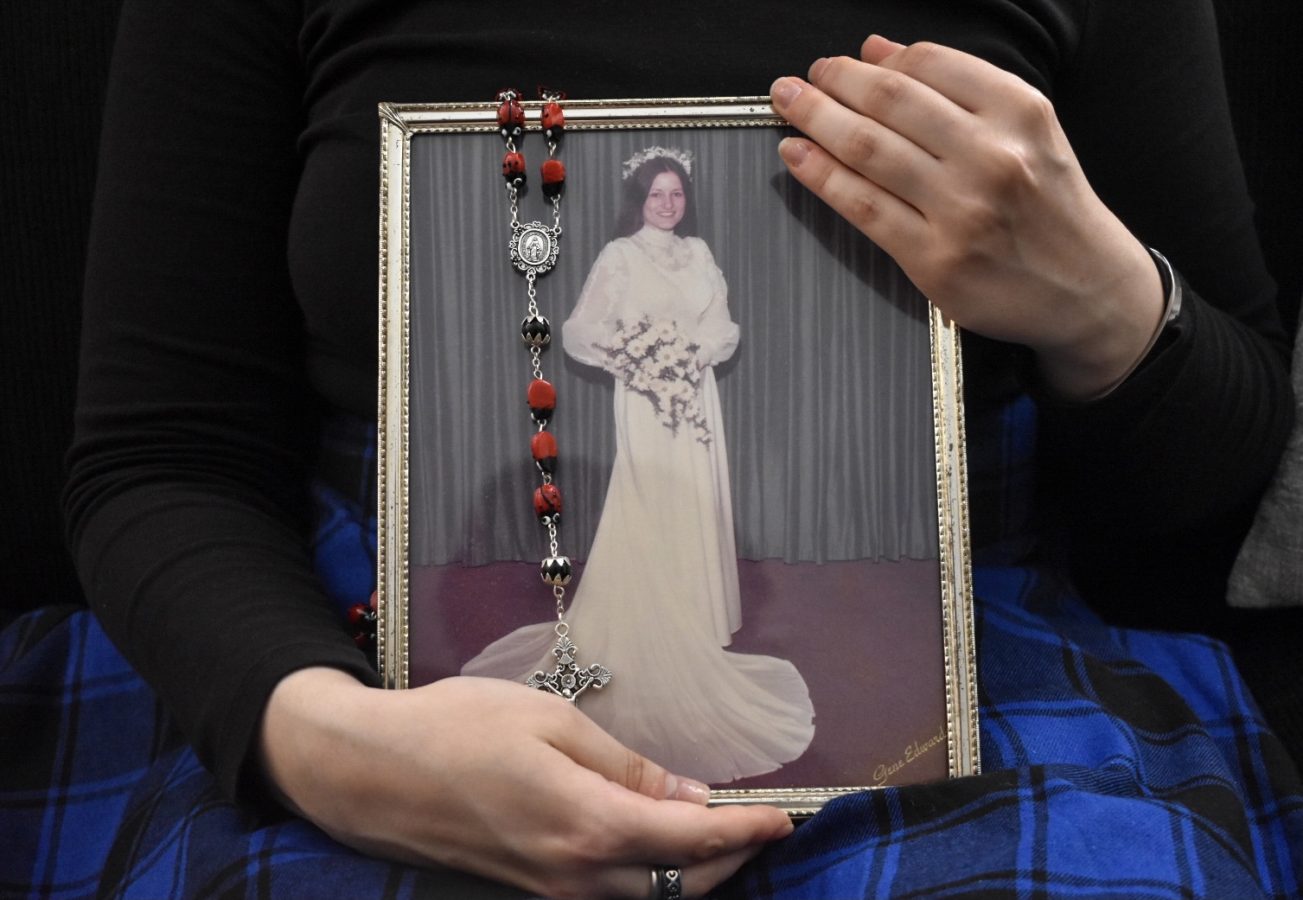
{"x": 534, "y": 248}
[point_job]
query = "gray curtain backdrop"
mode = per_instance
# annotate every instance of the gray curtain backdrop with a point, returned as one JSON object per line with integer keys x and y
{"x": 827, "y": 402}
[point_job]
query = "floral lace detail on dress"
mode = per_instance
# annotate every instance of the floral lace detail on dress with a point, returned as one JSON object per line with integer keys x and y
{"x": 673, "y": 254}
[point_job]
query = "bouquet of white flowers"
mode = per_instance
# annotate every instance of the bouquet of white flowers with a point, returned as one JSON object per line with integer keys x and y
{"x": 654, "y": 360}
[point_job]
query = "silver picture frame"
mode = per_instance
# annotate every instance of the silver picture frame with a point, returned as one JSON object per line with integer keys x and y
{"x": 842, "y": 407}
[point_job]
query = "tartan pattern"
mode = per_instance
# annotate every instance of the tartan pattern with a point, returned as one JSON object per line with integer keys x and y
{"x": 101, "y": 796}
{"x": 67, "y": 765}
{"x": 1120, "y": 764}
{"x": 344, "y": 495}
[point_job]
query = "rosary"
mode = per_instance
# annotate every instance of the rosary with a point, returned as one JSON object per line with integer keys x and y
{"x": 534, "y": 249}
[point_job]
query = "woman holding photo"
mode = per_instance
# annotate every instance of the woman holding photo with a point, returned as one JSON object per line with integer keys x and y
{"x": 1015, "y": 156}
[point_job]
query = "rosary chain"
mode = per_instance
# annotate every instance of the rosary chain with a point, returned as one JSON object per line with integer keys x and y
{"x": 569, "y": 679}
{"x": 536, "y": 351}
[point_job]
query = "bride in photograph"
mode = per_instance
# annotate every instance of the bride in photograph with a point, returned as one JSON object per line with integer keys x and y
{"x": 658, "y": 598}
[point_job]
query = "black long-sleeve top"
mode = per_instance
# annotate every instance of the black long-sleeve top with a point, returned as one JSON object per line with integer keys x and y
{"x": 231, "y": 283}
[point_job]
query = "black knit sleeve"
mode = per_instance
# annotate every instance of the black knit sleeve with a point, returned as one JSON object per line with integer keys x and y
{"x": 1154, "y": 485}
{"x": 186, "y": 498}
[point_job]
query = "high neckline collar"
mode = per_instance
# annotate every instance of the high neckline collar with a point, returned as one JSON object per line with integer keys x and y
{"x": 657, "y": 237}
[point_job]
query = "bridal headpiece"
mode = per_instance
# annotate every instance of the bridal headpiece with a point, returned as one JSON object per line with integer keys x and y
{"x": 635, "y": 162}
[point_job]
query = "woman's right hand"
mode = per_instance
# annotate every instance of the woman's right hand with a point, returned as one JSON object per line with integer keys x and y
{"x": 499, "y": 779}
{"x": 962, "y": 172}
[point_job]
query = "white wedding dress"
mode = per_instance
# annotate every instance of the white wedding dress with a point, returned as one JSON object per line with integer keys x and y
{"x": 658, "y": 597}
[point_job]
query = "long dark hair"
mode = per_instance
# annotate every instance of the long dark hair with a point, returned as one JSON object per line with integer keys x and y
{"x": 634, "y": 196}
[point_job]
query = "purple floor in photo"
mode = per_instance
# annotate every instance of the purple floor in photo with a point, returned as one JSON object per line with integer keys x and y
{"x": 865, "y": 636}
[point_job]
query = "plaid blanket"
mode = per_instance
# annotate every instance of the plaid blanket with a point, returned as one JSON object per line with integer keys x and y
{"x": 1119, "y": 764}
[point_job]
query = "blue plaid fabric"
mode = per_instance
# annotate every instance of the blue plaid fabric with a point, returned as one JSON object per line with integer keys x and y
{"x": 344, "y": 494}
{"x": 1119, "y": 764}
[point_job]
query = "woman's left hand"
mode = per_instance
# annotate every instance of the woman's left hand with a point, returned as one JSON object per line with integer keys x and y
{"x": 961, "y": 172}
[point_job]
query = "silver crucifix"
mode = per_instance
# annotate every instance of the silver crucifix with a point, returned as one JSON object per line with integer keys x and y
{"x": 568, "y": 680}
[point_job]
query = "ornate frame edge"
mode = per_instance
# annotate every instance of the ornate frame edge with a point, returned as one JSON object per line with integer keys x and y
{"x": 953, "y": 543}
{"x": 398, "y": 124}
{"x": 392, "y": 405}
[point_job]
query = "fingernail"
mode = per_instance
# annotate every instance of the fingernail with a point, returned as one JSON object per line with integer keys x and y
{"x": 784, "y": 91}
{"x": 793, "y": 151}
{"x": 687, "y": 789}
{"x": 893, "y": 45}
{"x": 817, "y": 67}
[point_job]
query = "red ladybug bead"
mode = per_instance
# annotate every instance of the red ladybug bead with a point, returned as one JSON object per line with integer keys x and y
{"x": 547, "y": 502}
{"x": 542, "y": 399}
{"x": 513, "y": 167}
{"x": 357, "y": 614}
{"x": 543, "y": 447}
{"x": 363, "y": 621}
{"x": 554, "y": 177}
{"x": 554, "y": 120}
{"x": 511, "y": 118}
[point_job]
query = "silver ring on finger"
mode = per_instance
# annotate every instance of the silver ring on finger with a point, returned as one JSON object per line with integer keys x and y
{"x": 666, "y": 883}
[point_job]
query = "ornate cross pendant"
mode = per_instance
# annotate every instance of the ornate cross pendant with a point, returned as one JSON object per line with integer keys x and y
{"x": 568, "y": 680}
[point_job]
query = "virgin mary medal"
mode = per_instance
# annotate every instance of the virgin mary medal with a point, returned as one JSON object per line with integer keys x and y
{"x": 535, "y": 247}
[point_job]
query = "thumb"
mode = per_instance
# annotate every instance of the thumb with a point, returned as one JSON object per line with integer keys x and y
{"x": 591, "y": 747}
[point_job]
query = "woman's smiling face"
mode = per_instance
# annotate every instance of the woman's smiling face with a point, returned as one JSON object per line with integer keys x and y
{"x": 665, "y": 202}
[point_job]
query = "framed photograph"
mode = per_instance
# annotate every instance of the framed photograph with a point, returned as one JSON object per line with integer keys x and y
{"x": 695, "y": 395}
